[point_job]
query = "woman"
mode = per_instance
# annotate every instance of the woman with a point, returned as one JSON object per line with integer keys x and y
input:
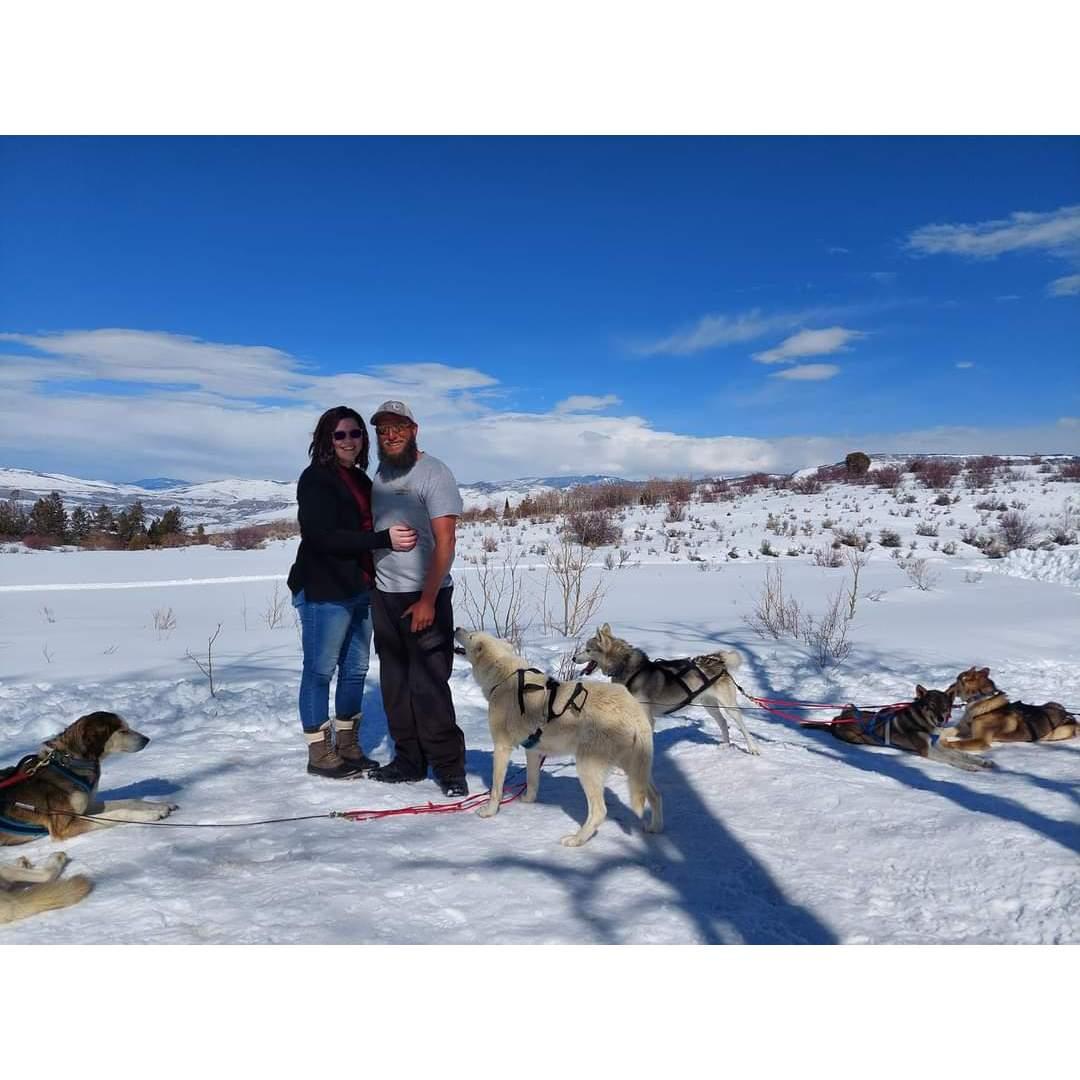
{"x": 331, "y": 584}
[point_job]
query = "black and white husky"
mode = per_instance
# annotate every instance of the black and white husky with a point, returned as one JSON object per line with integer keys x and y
{"x": 665, "y": 686}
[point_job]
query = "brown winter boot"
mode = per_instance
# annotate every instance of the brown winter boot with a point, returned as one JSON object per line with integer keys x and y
{"x": 322, "y": 760}
{"x": 347, "y": 737}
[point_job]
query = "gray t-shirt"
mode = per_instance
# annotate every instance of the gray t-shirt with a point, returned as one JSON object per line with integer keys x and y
{"x": 428, "y": 490}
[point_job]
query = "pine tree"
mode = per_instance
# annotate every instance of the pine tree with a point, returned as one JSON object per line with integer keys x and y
{"x": 80, "y": 525}
{"x": 104, "y": 520}
{"x": 172, "y": 521}
{"x": 131, "y": 523}
{"x": 13, "y": 519}
{"x": 48, "y": 516}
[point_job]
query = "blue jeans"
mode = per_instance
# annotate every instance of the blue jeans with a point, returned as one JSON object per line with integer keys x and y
{"x": 336, "y": 634}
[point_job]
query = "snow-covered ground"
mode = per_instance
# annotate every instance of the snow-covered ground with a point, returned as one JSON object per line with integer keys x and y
{"x": 813, "y": 841}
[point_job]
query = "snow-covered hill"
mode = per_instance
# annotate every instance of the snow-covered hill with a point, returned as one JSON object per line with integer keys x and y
{"x": 220, "y": 504}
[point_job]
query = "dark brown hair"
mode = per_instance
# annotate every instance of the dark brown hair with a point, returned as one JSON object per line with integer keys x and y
{"x": 321, "y": 450}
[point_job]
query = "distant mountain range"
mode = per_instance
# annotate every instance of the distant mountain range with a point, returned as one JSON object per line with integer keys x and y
{"x": 220, "y": 504}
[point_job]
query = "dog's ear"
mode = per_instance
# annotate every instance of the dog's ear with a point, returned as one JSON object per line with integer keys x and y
{"x": 604, "y": 631}
{"x": 89, "y": 734}
{"x": 984, "y": 672}
{"x": 920, "y": 691}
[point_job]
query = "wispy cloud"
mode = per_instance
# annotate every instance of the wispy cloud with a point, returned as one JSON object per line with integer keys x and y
{"x": 965, "y": 364}
{"x": 204, "y": 434}
{"x": 833, "y": 339}
{"x": 1056, "y": 232}
{"x": 883, "y": 277}
{"x": 808, "y": 372}
{"x": 837, "y": 250}
{"x": 714, "y": 331}
{"x": 1065, "y": 286}
{"x": 578, "y": 403}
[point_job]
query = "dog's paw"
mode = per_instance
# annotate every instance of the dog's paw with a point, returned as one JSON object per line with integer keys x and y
{"x": 573, "y": 840}
{"x": 23, "y": 863}
{"x": 527, "y": 796}
{"x": 487, "y": 810}
{"x": 157, "y": 811}
{"x": 56, "y": 862}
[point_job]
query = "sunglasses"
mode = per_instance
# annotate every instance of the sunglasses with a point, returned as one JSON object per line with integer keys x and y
{"x": 352, "y": 433}
{"x": 393, "y": 429}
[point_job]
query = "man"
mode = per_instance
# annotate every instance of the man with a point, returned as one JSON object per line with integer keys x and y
{"x": 411, "y": 606}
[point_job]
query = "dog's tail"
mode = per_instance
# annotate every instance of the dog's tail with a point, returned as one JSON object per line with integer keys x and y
{"x": 22, "y": 903}
{"x": 732, "y": 659}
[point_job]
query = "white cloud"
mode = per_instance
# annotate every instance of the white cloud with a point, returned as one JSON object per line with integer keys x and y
{"x": 1065, "y": 286}
{"x": 713, "y": 331}
{"x": 1056, "y": 232}
{"x": 836, "y": 250}
{"x": 964, "y": 364}
{"x": 577, "y": 403}
{"x": 203, "y": 434}
{"x": 884, "y": 277}
{"x": 808, "y": 372}
{"x": 810, "y": 343}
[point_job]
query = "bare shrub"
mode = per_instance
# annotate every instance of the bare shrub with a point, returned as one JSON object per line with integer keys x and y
{"x": 775, "y": 615}
{"x": 247, "y": 537}
{"x": 474, "y": 514}
{"x": 576, "y": 603}
{"x": 48, "y": 614}
{"x": 889, "y": 538}
{"x": 489, "y": 543}
{"x": 888, "y": 476}
{"x": 920, "y": 573}
{"x": 937, "y": 473}
{"x": 277, "y": 607}
{"x": 828, "y": 556}
{"x": 1015, "y": 530}
{"x": 494, "y": 597}
{"x": 850, "y": 538}
{"x": 164, "y": 622}
{"x": 592, "y": 528}
{"x": 826, "y": 636}
{"x": 1069, "y": 470}
{"x": 37, "y": 542}
{"x": 208, "y": 668}
{"x": 676, "y": 512}
{"x": 855, "y": 562}
{"x": 926, "y": 528}
{"x": 806, "y": 485}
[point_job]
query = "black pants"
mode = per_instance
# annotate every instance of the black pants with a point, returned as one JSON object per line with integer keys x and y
{"x": 414, "y": 673}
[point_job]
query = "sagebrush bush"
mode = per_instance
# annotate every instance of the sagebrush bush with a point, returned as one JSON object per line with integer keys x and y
{"x": 592, "y": 528}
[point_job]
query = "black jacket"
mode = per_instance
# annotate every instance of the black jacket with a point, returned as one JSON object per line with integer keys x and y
{"x": 328, "y": 564}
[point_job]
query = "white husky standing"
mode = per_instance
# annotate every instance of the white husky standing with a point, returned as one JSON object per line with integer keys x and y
{"x": 599, "y": 723}
{"x": 665, "y": 686}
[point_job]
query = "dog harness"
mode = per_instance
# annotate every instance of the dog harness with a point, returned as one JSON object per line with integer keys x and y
{"x": 678, "y": 670}
{"x": 551, "y": 686}
{"x": 81, "y": 772}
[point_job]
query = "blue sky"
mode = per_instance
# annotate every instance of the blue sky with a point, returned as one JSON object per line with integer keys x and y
{"x": 637, "y": 306}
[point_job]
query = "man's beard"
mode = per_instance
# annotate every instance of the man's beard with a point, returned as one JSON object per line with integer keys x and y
{"x": 401, "y": 462}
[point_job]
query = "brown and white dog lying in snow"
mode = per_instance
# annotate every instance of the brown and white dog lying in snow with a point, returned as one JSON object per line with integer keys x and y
{"x": 991, "y": 717}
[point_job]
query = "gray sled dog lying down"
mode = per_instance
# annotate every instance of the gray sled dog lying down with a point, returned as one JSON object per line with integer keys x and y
{"x": 42, "y": 892}
{"x": 665, "y": 686}
{"x": 598, "y": 723}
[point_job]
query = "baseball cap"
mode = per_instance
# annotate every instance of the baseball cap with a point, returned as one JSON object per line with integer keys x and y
{"x": 394, "y": 408}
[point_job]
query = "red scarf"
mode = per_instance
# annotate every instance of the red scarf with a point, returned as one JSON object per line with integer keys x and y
{"x": 361, "y": 493}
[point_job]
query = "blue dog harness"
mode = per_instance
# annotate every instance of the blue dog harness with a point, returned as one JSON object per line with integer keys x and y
{"x": 81, "y": 772}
